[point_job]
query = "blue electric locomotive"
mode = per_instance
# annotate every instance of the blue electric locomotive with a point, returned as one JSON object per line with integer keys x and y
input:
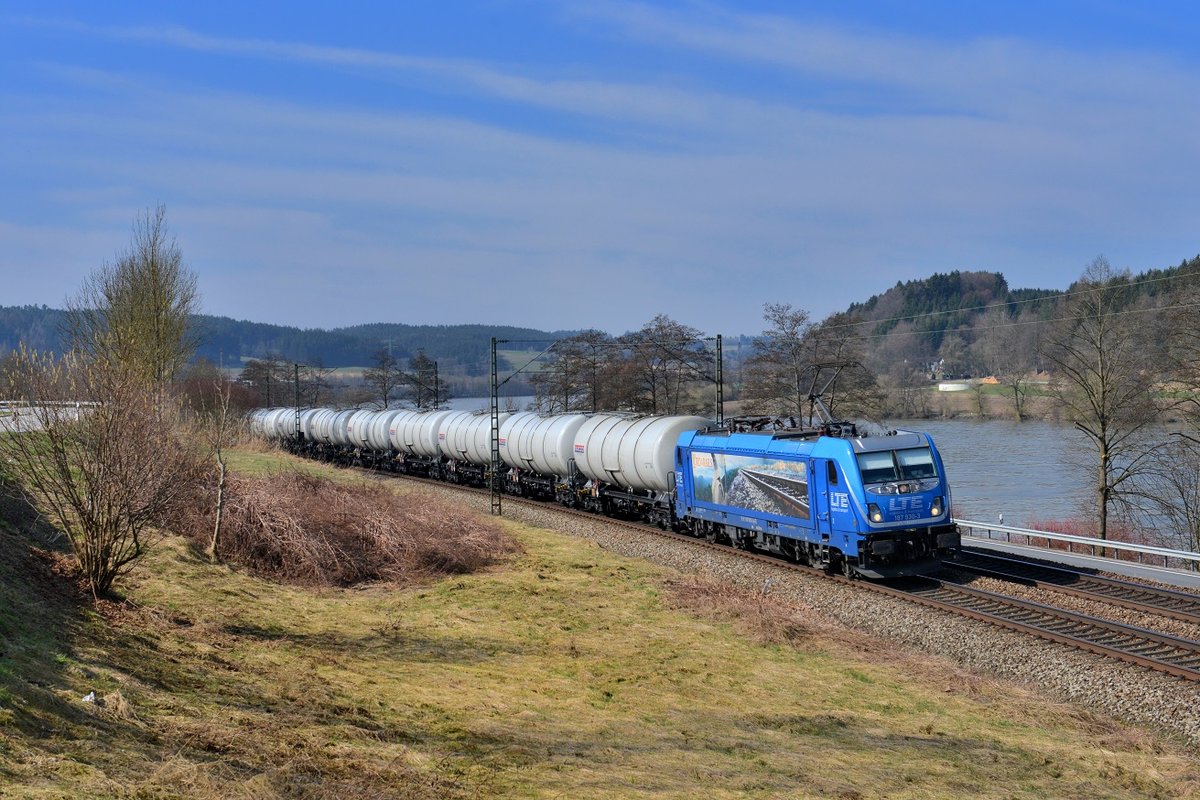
{"x": 878, "y": 507}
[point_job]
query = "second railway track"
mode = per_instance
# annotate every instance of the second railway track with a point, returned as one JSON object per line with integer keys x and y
{"x": 1182, "y": 606}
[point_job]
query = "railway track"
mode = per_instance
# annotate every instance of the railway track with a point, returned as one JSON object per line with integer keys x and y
{"x": 1171, "y": 655}
{"x": 1126, "y": 594}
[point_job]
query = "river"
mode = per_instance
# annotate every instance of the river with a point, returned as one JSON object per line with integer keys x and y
{"x": 1030, "y": 472}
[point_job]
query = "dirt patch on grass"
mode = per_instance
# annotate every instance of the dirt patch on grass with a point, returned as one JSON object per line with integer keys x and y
{"x": 310, "y": 530}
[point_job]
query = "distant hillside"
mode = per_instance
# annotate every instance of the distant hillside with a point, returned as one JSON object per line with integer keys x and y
{"x": 459, "y": 349}
{"x": 943, "y": 303}
{"x": 962, "y": 323}
{"x": 938, "y": 318}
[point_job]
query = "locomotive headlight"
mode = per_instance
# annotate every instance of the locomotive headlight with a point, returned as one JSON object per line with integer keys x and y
{"x": 874, "y": 513}
{"x": 939, "y": 504}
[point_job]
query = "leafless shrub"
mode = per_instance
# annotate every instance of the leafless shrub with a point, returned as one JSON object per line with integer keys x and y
{"x": 310, "y": 530}
{"x": 101, "y": 454}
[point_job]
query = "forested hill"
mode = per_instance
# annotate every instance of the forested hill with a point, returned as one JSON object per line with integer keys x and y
{"x": 958, "y": 323}
{"x": 958, "y": 300}
{"x": 946, "y": 302}
{"x": 463, "y": 349}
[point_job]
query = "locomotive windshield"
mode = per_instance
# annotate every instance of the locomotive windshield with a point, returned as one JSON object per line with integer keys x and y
{"x": 915, "y": 463}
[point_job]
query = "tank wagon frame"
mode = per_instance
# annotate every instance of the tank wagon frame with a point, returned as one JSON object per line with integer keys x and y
{"x": 875, "y": 507}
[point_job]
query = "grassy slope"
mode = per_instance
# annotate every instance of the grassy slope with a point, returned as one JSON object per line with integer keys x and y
{"x": 568, "y": 673}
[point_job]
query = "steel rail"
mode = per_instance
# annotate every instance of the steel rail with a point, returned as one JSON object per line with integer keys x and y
{"x": 1173, "y": 655}
{"x": 1169, "y": 603}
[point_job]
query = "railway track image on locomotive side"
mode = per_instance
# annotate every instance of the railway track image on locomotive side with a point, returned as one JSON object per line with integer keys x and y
{"x": 1160, "y": 601}
{"x": 789, "y": 496}
{"x": 1174, "y": 656}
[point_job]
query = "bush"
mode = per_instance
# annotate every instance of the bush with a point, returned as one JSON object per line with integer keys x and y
{"x": 310, "y": 530}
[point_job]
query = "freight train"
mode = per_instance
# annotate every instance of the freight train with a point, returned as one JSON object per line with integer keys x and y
{"x": 866, "y": 506}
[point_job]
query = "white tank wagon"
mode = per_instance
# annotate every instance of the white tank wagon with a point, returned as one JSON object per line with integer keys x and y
{"x": 379, "y": 429}
{"x": 339, "y": 428}
{"x": 415, "y": 433}
{"x": 284, "y": 422}
{"x": 306, "y": 423}
{"x": 358, "y": 428}
{"x": 320, "y": 425}
{"x": 256, "y": 423}
{"x": 542, "y": 443}
{"x": 538, "y": 448}
{"x": 632, "y": 452}
{"x": 467, "y": 436}
{"x": 515, "y": 439}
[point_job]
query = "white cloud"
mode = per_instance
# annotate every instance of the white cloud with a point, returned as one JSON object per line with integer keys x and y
{"x": 973, "y": 154}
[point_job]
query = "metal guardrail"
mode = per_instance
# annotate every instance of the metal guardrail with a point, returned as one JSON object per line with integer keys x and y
{"x": 1089, "y": 545}
{"x": 26, "y": 404}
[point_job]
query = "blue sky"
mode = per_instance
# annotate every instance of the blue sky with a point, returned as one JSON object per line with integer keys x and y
{"x": 592, "y": 164}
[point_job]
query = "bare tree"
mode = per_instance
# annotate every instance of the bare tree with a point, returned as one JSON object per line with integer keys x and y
{"x": 135, "y": 312}
{"x": 106, "y": 463}
{"x": 218, "y": 427}
{"x": 665, "y": 360}
{"x": 268, "y": 378}
{"x": 1102, "y": 383}
{"x": 794, "y": 358}
{"x": 1006, "y": 345}
{"x": 425, "y": 388}
{"x": 311, "y": 383}
{"x": 384, "y": 377}
{"x": 577, "y": 375}
{"x": 1173, "y": 486}
{"x": 835, "y": 348}
{"x": 778, "y": 377}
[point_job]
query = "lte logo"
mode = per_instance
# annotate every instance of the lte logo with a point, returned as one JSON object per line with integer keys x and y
{"x": 839, "y": 501}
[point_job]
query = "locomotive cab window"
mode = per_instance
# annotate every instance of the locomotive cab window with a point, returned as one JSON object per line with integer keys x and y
{"x": 831, "y": 472}
{"x": 914, "y": 463}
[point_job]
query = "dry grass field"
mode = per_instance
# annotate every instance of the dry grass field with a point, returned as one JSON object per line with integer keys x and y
{"x": 563, "y": 672}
